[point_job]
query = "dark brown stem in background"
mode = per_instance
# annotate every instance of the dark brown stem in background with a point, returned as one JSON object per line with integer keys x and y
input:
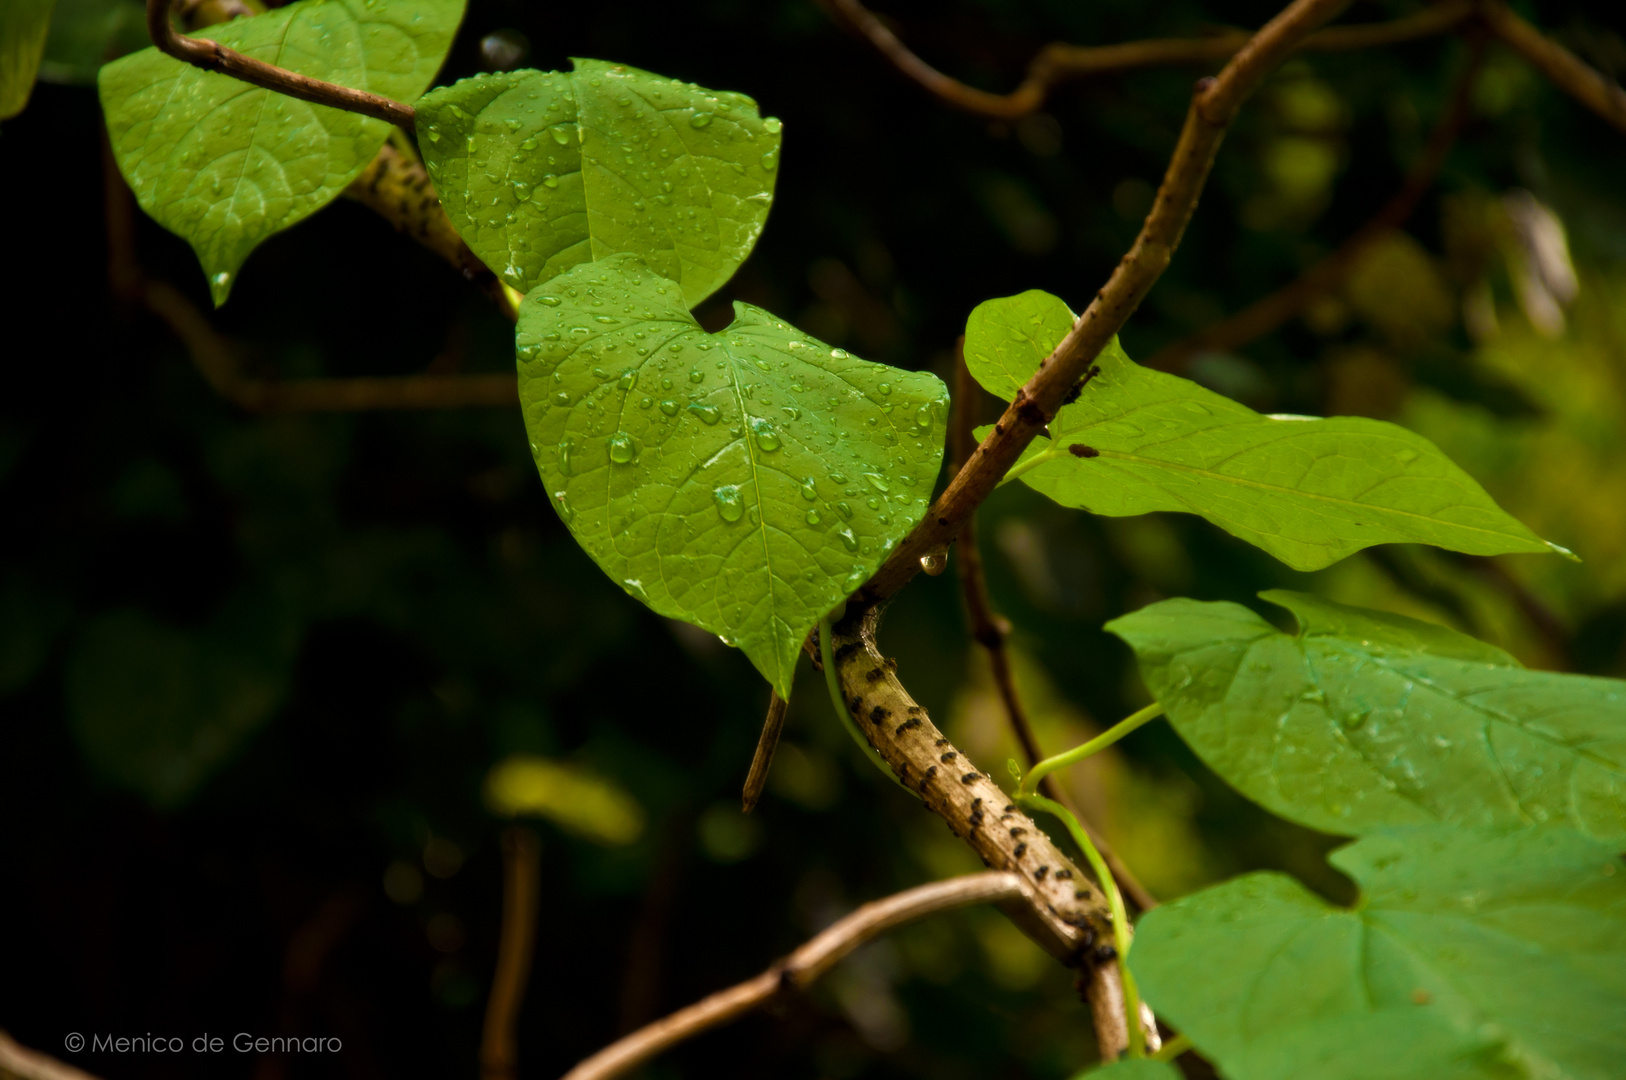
{"x": 17, "y": 1060}
{"x": 212, "y": 56}
{"x": 762, "y": 761}
{"x": 1566, "y": 70}
{"x": 990, "y": 631}
{"x": 1213, "y": 106}
{"x": 521, "y": 895}
{"x": 1058, "y": 63}
{"x": 797, "y": 971}
{"x": 1271, "y": 312}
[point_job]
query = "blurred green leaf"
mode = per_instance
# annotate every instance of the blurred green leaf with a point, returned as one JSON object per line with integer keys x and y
{"x": 23, "y": 25}
{"x": 540, "y": 171}
{"x": 744, "y": 481}
{"x": 158, "y": 710}
{"x": 1308, "y": 491}
{"x": 567, "y": 795}
{"x": 85, "y": 34}
{"x": 1365, "y": 719}
{"x": 1132, "y": 1069}
{"x": 224, "y": 164}
{"x": 1473, "y": 953}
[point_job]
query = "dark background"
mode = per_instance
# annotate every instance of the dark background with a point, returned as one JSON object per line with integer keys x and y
{"x": 352, "y": 618}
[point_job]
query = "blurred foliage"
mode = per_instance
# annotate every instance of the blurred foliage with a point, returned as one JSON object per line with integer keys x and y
{"x": 256, "y": 671}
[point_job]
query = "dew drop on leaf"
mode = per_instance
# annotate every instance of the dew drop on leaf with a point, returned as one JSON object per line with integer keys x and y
{"x": 848, "y": 539}
{"x": 622, "y": 450}
{"x": 700, "y": 119}
{"x": 767, "y": 438}
{"x": 709, "y": 414}
{"x": 729, "y": 505}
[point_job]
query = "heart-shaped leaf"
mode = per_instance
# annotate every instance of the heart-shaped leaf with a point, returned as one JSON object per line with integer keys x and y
{"x": 1478, "y": 954}
{"x": 540, "y": 171}
{"x": 745, "y": 481}
{"x": 1306, "y": 490}
{"x": 224, "y": 164}
{"x": 1365, "y": 719}
{"x": 23, "y": 25}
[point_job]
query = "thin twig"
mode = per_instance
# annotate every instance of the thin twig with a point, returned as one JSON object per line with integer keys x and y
{"x": 17, "y": 1060}
{"x": 1566, "y": 70}
{"x": 797, "y": 971}
{"x": 1057, "y": 63}
{"x": 521, "y": 893}
{"x": 1267, "y": 314}
{"x": 762, "y": 760}
{"x": 212, "y": 56}
{"x": 1214, "y": 104}
{"x": 990, "y": 630}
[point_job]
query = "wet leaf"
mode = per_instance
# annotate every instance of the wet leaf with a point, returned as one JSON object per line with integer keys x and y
{"x": 1132, "y": 1069}
{"x": 1308, "y": 491}
{"x": 1364, "y": 719}
{"x": 1482, "y": 954}
{"x": 540, "y": 171}
{"x": 224, "y": 164}
{"x": 744, "y": 481}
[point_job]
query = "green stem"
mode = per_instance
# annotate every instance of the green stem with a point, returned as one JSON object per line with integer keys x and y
{"x": 827, "y": 657}
{"x": 1095, "y": 745}
{"x": 1023, "y": 466}
{"x": 1120, "y": 918}
{"x": 1172, "y": 1049}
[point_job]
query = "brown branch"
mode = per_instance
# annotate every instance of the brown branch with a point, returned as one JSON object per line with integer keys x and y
{"x": 798, "y": 970}
{"x": 990, "y": 631}
{"x": 1270, "y": 312}
{"x": 762, "y": 760}
{"x": 19, "y": 1062}
{"x": 1566, "y": 70}
{"x": 212, "y": 56}
{"x": 521, "y": 892}
{"x": 1214, "y": 104}
{"x": 1057, "y": 63}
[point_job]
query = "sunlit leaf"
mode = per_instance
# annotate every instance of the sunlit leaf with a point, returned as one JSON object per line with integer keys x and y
{"x": 1482, "y": 954}
{"x": 540, "y": 171}
{"x": 568, "y": 795}
{"x": 1365, "y": 719}
{"x": 744, "y": 481}
{"x": 1306, "y": 490}
{"x": 23, "y": 24}
{"x": 224, "y": 164}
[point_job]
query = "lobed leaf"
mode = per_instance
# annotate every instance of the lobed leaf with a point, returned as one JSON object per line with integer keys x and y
{"x": 23, "y": 25}
{"x": 1472, "y": 954}
{"x": 745, "y": 481}
{"x": 1306, "y": 490}
{"x": 224, "y": 164}
{"x": 1364, "y": 720}
{"x": 541, "y": 171}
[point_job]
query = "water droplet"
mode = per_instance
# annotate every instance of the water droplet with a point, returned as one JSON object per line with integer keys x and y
{"x": 846, "y": 511}
{"x": 551, "y": 301}
{"x": 770, "y": 160}
{"x": 838, "y": 478}
{"x": 729, "y": 505}
{"x": 1355, "y": 718}
{"x": 560, "y": 135}
{"x": 876, "y": 482}
{"x": 528, "y": 144}
{"x": 700, "y": 119}
{"x": 885, "y": 388}
{"x": 222, "y": 277}
{"x": 935, "y": 561}
{"x": 772, "y": 125}
{"x": 839, "y": 354}
{"x": 848, "y": 540}
{"x": 670, "y": 408}
{"x": 812, "y": 517}
{"x": 809, "y": 490}
{"x": 923, "y": 417}
{"x": 1406, "y": 456}
{"x": 622, "y": 450}
{"x": 767, "y": 438}
{"x": 550, "y": 180}
{"x": 565, "y": 512}
{"x": 709, "y": 414}
{"x": 697, "y": 376}
{"x": 564, "y": 456}
{"x": 628, "y": 377}
{"x": 644, "y": 403}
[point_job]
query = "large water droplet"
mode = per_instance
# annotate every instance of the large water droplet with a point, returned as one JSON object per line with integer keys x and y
{"x": 935, "y": 561}
{"x": 877, "y": 482}
{"x": 846, "y": 511}
{"x": 628, "y": 377}
{"x": 848, "y": 539}
{"x": 767, "y": 438}
{"x": 622, "y": 450}
{"x": 700, "y": 119}
{"x": 730, "y": 507}
{"x": 809, "y": 490}
{"x": 564, "y": 456}
{"x": 565, "y": 512}
{"x": 560, "y": 135}
{"x": 770, "y": 160}
{"x": 697, "y": 376}
{"x": 551, "y": 301}
{"x": 812, "y": 517}
{"x": 670, "y": 408}
{"x": 772, "y": 125}
{"x": 709, "y": 414}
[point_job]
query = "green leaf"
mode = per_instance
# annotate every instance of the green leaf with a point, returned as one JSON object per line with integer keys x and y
{"x": 224, "y": 164}
{"x": 745, "y": 481}
{"x": 1133, "y": 1069}
{"x": 1365, "y": 719}
{"x": 1473, "y": 953}
{"x": 23, "y": 25}
{"x": 1308, "y": 491}
{"x": 540, "y": 171}
{"x": 158, "y": 710}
